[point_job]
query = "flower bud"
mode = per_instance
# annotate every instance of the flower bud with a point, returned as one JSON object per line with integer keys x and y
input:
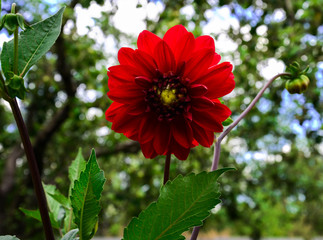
{"x": 11, "y": 21}
{"x": 16, "y": 87}
{"x": 297, "y": 85}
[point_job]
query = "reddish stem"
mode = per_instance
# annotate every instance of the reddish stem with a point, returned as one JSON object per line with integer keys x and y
{"x": 167, "y": 166}
{"x": 39, "y": 190}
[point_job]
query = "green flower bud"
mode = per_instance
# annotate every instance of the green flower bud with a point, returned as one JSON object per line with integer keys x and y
{"x": 11, "y": 21}
{"x": 16, "y": 87}
{"x": 297, "y": 85}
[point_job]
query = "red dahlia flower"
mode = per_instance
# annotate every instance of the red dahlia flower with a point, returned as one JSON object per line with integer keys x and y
{"x": 166, "y": 92}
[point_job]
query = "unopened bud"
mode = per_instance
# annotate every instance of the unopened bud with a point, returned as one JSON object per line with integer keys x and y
{"x": 11, "y": 21}
{"x": 297, "y": 85}
{"x": 16, "y": 87}
{"x": 297, "y": 81}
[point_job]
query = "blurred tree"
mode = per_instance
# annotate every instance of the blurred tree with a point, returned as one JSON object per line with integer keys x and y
{"x": 277, "y": 149}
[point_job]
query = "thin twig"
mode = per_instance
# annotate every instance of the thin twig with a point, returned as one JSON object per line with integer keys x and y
{"x": 217, "y": 148}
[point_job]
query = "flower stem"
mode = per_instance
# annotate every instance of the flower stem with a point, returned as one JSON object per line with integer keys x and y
{"x": 15, "y": 59}
{"x": 167, "y": 166}
{"x": 217, "y": 147}
{"x": 15, "y": 43}
{"x": 39, "y": 190}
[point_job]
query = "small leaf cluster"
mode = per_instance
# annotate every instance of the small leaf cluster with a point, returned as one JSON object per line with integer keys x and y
{"x": 77, "y": 213}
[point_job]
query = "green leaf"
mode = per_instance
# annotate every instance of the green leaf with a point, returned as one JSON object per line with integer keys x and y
{"x": 183, "y": 203}
{"x": 77, "y": 166}
{"x": 74, "y": 171}
{"x": 8, "y": 237}
{"x": 53, "y": 204}
{"x": 71, "y": 235}
{"x": 227, "y": 122}
{"x": 33, "y": 43}
{"x": 36, "y": 215}
{"x": 85, "y": 197}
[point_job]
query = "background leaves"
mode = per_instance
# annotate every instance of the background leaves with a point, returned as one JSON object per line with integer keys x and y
{"x": 276, "y": 149}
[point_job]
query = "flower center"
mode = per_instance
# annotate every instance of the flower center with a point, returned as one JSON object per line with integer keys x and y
{"x": 167, "y": 97}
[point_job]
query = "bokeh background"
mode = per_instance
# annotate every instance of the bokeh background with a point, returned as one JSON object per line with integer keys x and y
{"x": 277, "y": 189}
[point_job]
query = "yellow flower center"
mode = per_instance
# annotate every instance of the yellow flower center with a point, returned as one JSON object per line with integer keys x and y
{"x": 168, "y": 96}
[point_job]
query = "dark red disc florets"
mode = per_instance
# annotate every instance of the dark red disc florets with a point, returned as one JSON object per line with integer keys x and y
{"x": 167, "y": 96}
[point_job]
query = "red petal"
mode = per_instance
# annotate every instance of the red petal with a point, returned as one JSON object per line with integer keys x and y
{"x": 216, "y": 59}
{"x": 132, "y": 135}
{"x": 198, "y": 64}
{"x": 203, "y": 136}
{"x": 137, "y": 109}
{"x": 182, "y": 132}
{"x": 164, "y": 57}
{"x": 112, "y": 111}
{"x": 147, "y": 128}
{"x": 180, "y": 152}
{"x": 212, "y": 119}
{"x": 184, "y": 48}
{"x": 126, "y": 95}
{"x": 204, "y": 42}
{"x": 147, "y": 42}
{"x": 145, "y": 63}
{"x": 174, "y": 35}
{"x": 148, "y": 150}
{"x": 197, "y": 90}
{"x": 219, "y": 80}
{"x": 201, "y": 103}
{"x": 121, "y": 73}
{"x": 143, "y": 81}
{"x": 125, "y": 123}
{"x": 207, "y": 42}
{"x": 162, "y": 137}
{"x": 125, "y": 56}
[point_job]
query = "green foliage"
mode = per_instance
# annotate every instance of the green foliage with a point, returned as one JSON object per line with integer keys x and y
{"x": 36, "y": 215}
{"x": 15, "y": 86}
{"x": 74, "y": 171}
{"x": 33, "y": 43}
{"x": 87, "y": 180}
{"x": 85, "y": 197}
{"x": 7, "y": 237}
{"x": 71, "y": 235}
{"x": 183, "y": 203}
{"x": 227, "y": 122}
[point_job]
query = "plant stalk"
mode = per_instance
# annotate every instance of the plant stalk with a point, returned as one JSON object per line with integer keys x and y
{"x": 34, "y": 171}
{"x": 217, "y": 146}
{"x": 167, "y": 167}
{"x": 15, "y": 54}
{"x": 39, "y": 190}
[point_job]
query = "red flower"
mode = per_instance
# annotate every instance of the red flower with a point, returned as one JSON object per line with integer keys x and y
{"x": 166, "y": 92}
